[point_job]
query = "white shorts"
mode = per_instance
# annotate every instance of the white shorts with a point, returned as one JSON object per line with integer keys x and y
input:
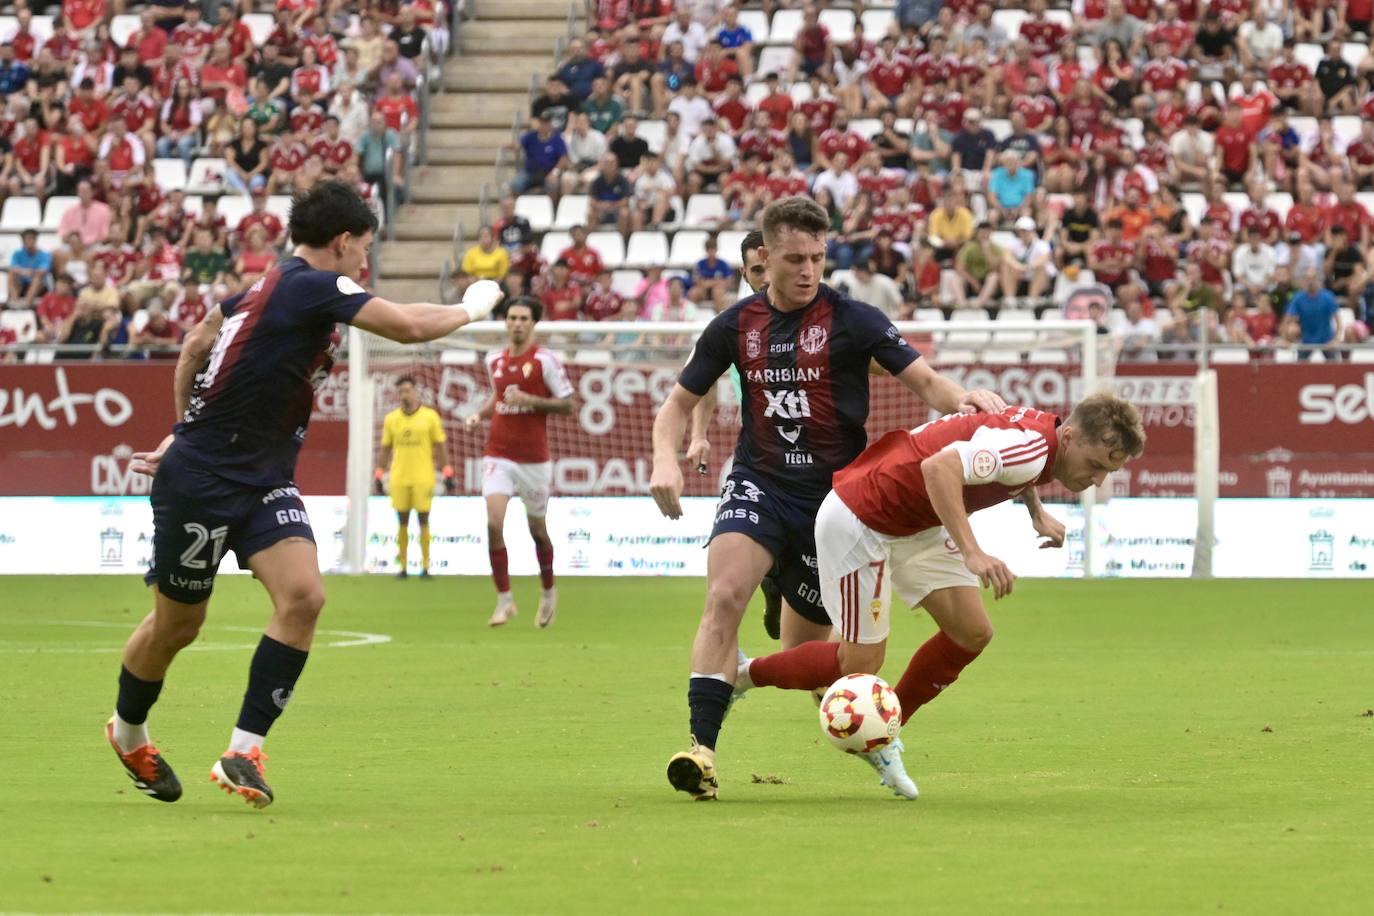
{"x": 859, "y": 567}
{"x": 530, "y": 482}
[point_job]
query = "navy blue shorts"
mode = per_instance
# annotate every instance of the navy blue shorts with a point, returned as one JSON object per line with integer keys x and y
{"x": 198, "y": 516}
{"x": 786, "y": 527}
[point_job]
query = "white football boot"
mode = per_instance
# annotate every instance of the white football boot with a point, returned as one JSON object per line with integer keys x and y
{"x": 887, "y": 762}
{"x": 548, "y": 608}
{"x": 505, "y": 610}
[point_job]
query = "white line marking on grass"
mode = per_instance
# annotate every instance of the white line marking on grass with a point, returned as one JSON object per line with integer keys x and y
{"x": 343, "y": 639}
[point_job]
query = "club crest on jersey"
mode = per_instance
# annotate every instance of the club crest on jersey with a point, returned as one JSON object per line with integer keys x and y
{"x": 527, "y": 369}
{"x": 753, "y": 344}
{"x": 813, "y": 339}
{"x": 984, "y": 463}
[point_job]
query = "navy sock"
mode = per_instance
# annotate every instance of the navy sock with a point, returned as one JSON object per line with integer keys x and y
{"x": 136, "y": 697}
{"x": 708, "y": 699}
{"x": 271, "y": 678}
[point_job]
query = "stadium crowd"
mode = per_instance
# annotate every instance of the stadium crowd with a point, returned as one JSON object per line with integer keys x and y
{"x": 148, "y": 153}
{"x": 1201, "y": 166}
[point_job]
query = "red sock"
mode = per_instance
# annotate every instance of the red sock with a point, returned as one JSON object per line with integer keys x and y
{"x": 934, "y": 667}
{"x": 500, "y": 569}
{"x": 545, "y": 555}
{"x": 808, "y": 666}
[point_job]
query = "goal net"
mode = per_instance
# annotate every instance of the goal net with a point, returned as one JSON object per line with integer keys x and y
{"x": 621, "y": 373}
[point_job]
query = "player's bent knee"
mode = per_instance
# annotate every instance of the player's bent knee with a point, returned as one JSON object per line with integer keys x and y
{"x": 973, "y": 639}
{"x": 726, "y": 601}
{"x": 302, "y": 603}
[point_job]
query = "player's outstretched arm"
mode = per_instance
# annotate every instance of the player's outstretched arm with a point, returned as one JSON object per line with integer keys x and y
{"x": 945, "y": 394}
{"x": 671, "y": 422}
{"x": 417, "y": 322}
{"x": 944, "y": 478}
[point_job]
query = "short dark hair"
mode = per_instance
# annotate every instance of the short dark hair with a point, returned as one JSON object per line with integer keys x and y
{"x": 799, "y": 213}
{"x": 405, "y": 380}
{"x": 328, "y": 210}
{"x": 752, "y": 241}
{"x": 534, "y": 305}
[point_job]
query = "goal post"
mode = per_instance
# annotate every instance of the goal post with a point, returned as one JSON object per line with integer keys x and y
{"x": 622, "y": 371}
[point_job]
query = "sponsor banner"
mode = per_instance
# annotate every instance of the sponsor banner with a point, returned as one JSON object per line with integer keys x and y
{"x": 1149, "y": 538}
{"x": 1286, "y": 430}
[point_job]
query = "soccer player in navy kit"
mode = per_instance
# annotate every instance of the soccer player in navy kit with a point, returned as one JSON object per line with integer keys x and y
{"x": 803, "y": 353}
{"x": 244, "y": 388}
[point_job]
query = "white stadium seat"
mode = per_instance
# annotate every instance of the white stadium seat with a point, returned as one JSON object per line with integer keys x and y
{"x": 20, "y": 213}
{"x": 688, "y": 247}
{"x": 553, "y": 245}
{"x": 786, "y": 25}
{"x": 536, "y": 208}
{"x": 207, "y": 176}
{"x": 774, "y": 59}
{"x": 260, "y": 25}
{"x": 625, "y": 282}
{"x": 122, "y": 26}
{"x": 54, "y": 209}
{"x": 653, "y": 133}
{"x": 1010, "y": 21}
{"x": 572, "y": 211}
{"x": 839, "y": 23}
{"x": 727, "y": 245}
{"x": 23, "y": 322}
{"x": 1013, "y": 338}
{"x": 876, "y": 23}
{"x": 170, "y": 174}
{"x": 40, "y": 27}
{"x": 647, "y": 248}
{"x": 704, "y": 211}
{"x": 968, "y": 338}
{"x": 234, "y": 207}
{"x": 609, "y": 245}
{"x": 756, "y": 21}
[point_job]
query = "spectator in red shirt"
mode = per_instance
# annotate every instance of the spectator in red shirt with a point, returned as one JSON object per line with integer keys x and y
{"x": 1110, "y": 257}
{"x": 583, "y": 262}
{"x": 32, "y": 160}
{"x": 812, "y": 48}
{"x": 221, "y": 74}
{"x": 776, "y": 103}
{"x": 194, "y": 35}
{"x": 256, "y": 257}
{"x": 150, "y": 40}
{"x": 54, "y": 308}
{"x": 334, "y": 151}
{"x": 231, "y": 29}
{"x": 561, "y": 297}
{"x": 714, "y": 68}
{"x": 83, "y": 15}
{"x": 603, "y": 303}
{"x": 1292, "y": 83}
{"x": 1349, "y": 214}
{"x": 180, "y": 123}
{"x": 1236, "y": 151}
{"x": 261, "y": 216}
{"x": 398, "y": 106}
{"x": 311, "y": 77}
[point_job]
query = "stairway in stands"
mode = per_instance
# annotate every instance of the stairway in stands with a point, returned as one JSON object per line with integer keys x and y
{"x": 487, "y": 84}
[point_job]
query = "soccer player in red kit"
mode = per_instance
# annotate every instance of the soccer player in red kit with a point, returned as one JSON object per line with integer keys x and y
{"x": 898, "y": 516}
{"x": 528, "y": 383}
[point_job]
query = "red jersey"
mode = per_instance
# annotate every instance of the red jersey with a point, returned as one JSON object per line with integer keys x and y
{"x": 1234, "y": 144}
{"x": 712, "y": 78}
{"x": 165, "y": 262}
{"x": 150, "y": 45}
{"x": 309, "y": 118}
{"x": 820, "y": 112}
{"x": 561, "y": 302}
{"x": 81, "y": 14}
{"x": 24, "y": 44}
{"x": 313, "y": 80}
{"x": 732, "y": 110}
{"x": 1106, "y": 250}
{"x": 191, "y": 309}
{"x": 1178, "y": 35}
{"x": 1043, "y": 35}
{"x": 237, "y": 34}
{"x": 1038, "y": 110}
{"x": 138, "y": 111}
{"x": 1207, "y": 253}
{"x": 787, "y": 185}
{"x": 54, "y": 308}
{"x": 270, "y": 223}
{"x": 890, "y": 74}
{"x": 1289, "y": 76}
{"x": 397, "y": 109}
{"x": 195, "y": 40}
{"x": 518, "y": 433}
{"x": 166, "y": 78}
{"x": 932, "y": 68}
{"x": 1265, "y": 220}
{"x": 602, "y": 304}
{"x": 766, "y": 143}
{"x": 1360, "y": 152}
{"x": 583, "y": 263}
{"x": 336, "y": 154}
{"x": 1255, "y": 110}
{"x": 834, "y": 141}
{"x": 1367, "y": 106}
{"x": 119, "y": 261}
{"x": 1159, "y": 260}
{"x": 287, "y": 157}
{"x": 1002, "y": 454}
{"x": 1352, "y": 217}
{"x": 1082, "y": 114}
{"x": 1164, "y": 74}
{"x": 779, "y": 106}
{"x": 92, "y": 112}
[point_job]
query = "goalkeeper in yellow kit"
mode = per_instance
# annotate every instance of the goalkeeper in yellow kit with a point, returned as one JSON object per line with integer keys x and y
{"x": 413, "y": 445}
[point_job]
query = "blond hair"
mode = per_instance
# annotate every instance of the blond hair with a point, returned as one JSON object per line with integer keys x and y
{"x": 1108, "y": 419}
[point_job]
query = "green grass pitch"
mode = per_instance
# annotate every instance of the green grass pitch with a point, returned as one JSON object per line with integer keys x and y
{"x": 1153, "y": 747}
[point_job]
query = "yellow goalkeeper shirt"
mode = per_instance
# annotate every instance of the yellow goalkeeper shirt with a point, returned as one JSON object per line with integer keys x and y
{"x": 411, "y": 438}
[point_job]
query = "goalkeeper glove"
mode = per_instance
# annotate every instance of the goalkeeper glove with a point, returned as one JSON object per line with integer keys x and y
{"x": 480, "y": 298}
{"x": 450, "y": 480}
{"x": 377, "y": 486}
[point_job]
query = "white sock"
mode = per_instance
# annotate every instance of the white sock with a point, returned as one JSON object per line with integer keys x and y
{"x": 129, "y": 736}
{"x": 547, "y": 592}
{"x": 241, "y": 742}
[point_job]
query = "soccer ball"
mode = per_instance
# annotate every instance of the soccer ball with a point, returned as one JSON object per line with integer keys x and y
{"x": 860, "y": 713}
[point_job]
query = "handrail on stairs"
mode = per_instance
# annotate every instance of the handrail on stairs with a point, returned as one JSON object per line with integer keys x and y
{"x": 458, "y": 242}
{"x": 445, "y": 275}
{"x": 484, "y": 205}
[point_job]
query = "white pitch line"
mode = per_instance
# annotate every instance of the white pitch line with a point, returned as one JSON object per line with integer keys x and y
{"x": 345, "y": 639}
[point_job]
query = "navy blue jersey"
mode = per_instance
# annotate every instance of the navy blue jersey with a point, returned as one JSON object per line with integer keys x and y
{"x": 251, "y": 403}
{"x": 804, "y": 381}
